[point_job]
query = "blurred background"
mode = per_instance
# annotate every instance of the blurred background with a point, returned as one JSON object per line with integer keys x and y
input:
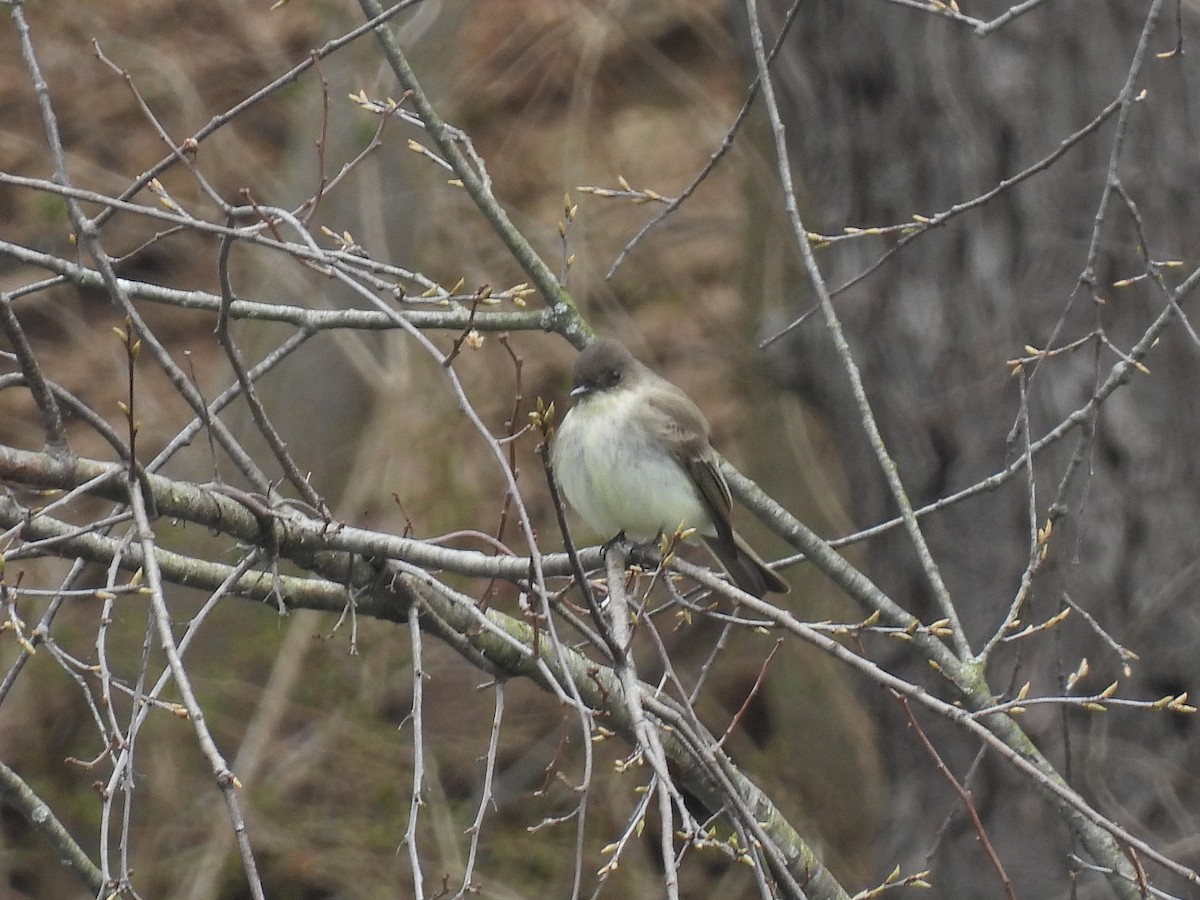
{"x": 890, "y": 112}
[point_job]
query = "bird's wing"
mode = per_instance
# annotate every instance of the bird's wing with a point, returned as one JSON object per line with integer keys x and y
{"x": 685, "y": 431}
{"x": 708, "y": 479}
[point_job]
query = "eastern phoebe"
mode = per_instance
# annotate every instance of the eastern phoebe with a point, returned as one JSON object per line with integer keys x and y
{"x": 633, "y": 456}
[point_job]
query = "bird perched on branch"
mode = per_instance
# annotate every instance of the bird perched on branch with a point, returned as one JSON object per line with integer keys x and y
{"x": 633, "y": 456}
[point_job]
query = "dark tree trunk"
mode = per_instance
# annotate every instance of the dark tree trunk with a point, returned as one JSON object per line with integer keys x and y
{"x": 892, "y": 112}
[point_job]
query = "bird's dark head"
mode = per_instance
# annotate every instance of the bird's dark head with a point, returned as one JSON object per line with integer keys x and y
{"x": 602, "y": 366}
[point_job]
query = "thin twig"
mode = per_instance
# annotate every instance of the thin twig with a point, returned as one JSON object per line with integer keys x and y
{"x": 22, "y": 797}
{"x": 417, "y": 718}
{"x": 716, "y": 156}
{"x": 887, "y": 464}
{"x": 52, "y": 422}
{"x": 964, "y": 796}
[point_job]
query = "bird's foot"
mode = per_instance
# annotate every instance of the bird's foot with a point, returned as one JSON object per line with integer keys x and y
{"x": 646, "y": 555}
{"x": 617, "y": 540}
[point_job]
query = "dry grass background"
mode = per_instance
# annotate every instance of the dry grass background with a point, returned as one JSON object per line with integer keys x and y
{"x": 555, "y": 94}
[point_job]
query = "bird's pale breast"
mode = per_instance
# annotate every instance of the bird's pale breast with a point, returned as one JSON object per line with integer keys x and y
{"x": 623, "y": 478}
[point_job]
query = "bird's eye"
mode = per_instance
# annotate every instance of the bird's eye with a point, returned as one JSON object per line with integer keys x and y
{"x": 614, "y": 377}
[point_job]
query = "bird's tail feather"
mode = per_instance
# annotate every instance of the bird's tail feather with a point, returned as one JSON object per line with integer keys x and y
{"x": 746, "y": 568}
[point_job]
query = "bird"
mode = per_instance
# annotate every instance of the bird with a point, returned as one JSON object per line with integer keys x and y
{"x": 634, "y": 456}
